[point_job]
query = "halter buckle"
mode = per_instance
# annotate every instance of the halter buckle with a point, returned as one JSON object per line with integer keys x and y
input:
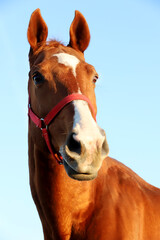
{"x": 43, "y": 125}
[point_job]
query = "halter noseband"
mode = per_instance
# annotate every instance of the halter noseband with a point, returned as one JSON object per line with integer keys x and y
{"x": 43, "y": 123}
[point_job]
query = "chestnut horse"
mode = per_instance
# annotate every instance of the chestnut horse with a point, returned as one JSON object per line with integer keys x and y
{"x": 79, "y": 192}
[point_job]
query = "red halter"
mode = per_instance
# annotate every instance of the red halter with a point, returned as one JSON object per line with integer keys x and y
{"x": 43, "y": 123}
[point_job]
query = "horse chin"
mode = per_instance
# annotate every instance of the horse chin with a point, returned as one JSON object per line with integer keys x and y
{"x": 78, "y": 176}
{"x": 73, "y": 173}
{"x": 77, "y": 167}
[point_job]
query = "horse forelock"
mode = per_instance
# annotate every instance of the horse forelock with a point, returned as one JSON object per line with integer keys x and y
{"x": 50, "y": 45}
{"x": 42, "y": 47}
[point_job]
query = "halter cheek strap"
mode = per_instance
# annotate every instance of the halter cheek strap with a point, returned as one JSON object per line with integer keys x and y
{"x": 43, "y": 123}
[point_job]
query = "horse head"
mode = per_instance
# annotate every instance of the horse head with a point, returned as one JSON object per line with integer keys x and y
{"x": 57, "y": 71}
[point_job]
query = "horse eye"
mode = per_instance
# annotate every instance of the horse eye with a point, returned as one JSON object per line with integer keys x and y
{"x": 37, "y": 78}
{"x": 95, "y": 78}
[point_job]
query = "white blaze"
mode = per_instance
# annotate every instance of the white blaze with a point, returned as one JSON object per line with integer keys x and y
{"x": 85, "y": 126}
{"x": 68, "y": 60}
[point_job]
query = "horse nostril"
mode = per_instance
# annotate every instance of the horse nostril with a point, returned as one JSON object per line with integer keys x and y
{"x": 105, "y": 148}
{"x": 73, "y": 144}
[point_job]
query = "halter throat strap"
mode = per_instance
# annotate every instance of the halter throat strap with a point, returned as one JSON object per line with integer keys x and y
{"x": 43, "y": 123}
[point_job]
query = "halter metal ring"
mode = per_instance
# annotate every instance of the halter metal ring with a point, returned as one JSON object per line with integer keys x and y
{"x": 43, "y": 125}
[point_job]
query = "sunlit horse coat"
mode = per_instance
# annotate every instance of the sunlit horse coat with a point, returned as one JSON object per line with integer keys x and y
{"x": 115, "y": 204}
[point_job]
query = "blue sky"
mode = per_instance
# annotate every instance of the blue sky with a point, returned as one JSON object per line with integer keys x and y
{"x": 125, "y": 50}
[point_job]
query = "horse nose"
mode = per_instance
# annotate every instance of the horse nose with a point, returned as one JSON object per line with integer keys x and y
{"x": 105, "y": 147}
{"x": 74, "y": 145}
{"x": 78, "y": 146}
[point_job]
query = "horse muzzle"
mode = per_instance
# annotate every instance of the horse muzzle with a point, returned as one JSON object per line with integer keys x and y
{"x": 83, "y": 157}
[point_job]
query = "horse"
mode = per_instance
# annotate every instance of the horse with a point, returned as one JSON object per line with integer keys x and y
{"x": 80, "y": 192}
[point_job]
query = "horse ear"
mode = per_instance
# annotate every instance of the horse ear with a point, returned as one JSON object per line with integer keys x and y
{"x": 37, "y": 29}
{"x": 79, "y": 33}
